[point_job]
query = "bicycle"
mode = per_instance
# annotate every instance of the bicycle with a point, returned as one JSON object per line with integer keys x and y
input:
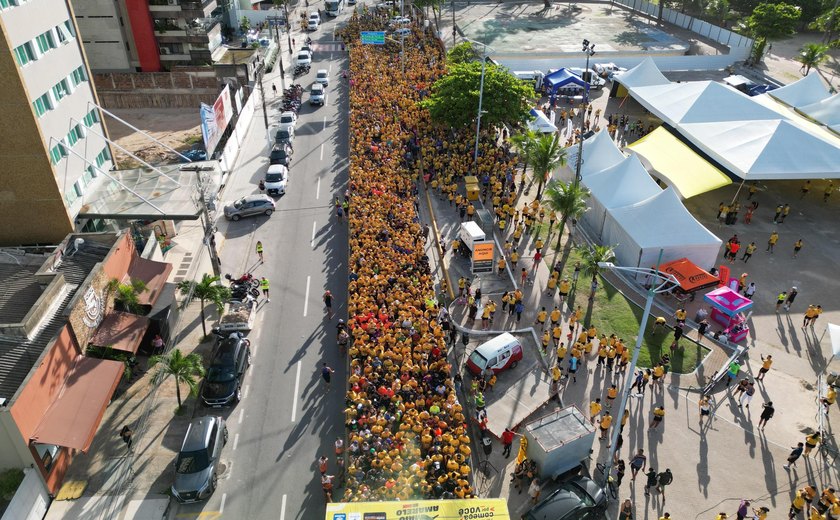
{"x": 611, "y": 486}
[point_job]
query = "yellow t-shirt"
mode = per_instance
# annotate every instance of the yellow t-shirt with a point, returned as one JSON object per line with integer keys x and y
{"x": 606, "y": 421}
{"x": 541, "y": 316}
{"x": 612, "y": 393}
{"x": 561, "y": 352}
{"x": 767, "y": 363}
{"x": 594, "y": 409}
{"x": 555, "y": 315}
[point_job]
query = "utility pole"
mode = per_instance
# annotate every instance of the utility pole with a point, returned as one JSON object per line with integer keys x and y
{"x": 589, "y": 49}
{"x": 209, "y": 228}
{"x": 453, "y": 23}
{"x": 260, "y": 71}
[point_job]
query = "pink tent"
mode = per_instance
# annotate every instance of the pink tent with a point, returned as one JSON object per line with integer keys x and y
{"x": 728, "y": 301}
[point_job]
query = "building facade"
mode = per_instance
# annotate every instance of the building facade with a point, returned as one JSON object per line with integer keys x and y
{"x": 51, "y": 147}
{"x": 148, "y": 35}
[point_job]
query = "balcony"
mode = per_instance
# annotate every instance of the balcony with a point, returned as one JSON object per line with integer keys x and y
{"x": 175, "y": 57}
{"x": 199, "y": 9}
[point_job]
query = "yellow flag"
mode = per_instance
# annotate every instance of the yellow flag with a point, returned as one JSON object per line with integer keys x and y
{"x": 523, "y": 450}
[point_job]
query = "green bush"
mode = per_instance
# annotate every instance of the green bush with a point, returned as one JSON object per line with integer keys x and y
{"x": 10, "y": 479}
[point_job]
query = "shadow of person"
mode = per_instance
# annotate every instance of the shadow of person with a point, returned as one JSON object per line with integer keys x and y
{"x": 703, "y": 477}
{"x": 769, "y": 466}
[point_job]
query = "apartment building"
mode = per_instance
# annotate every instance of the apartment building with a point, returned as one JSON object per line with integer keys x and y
{"x": 148, "y": 35}
{"x": 50, "y": 146}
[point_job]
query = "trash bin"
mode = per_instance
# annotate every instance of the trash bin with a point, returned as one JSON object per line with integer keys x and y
{"x": 486, "y": 443}
{"x": 473, "y": 191}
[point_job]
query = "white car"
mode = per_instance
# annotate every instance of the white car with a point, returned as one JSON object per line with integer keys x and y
{"x": 306, "y": 48}
{"x": 315, "y": 16}
{"x": 276, "y": 179}
{"x": 313, "y": 24}
{"x": 399, "y": 20}
{"x": 287, "y": 120}
{"x": 322, "y": 77}
{"x": 316, "y": 94}
{"x": 591, "y": 76}
{"x": 403, "y": 31}
{"x": 303, "y": 58}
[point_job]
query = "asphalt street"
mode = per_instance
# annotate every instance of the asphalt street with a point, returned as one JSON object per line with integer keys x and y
{"x": 288, "y": 416}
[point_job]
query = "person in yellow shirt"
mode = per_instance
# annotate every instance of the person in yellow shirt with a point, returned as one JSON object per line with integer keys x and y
{"x": 602, "y": 356}
{"x": 514, "y": 258}
{"x": 538, "y": 245}
{"x": 814, "y": 514}
{"x": 594, "y": 409}
{"x": 546, "y": 339}
{"x": 658, "y": 372}
{"x": 555, "y": 316}
{"x": 592, "y": 332}
{"x": 606, "y": 421}
{"x": 470, "y": 211}
{"x": 565, "y": 287}
{"x": 551, "y": 286}
{"x": 658, "y": 415}
{"x": 557, "y": 333}
{"x": 767, "y": 362}
{"x": 561, "y": 353}
{"x": 612, "y": 393}
{"x": 501, "y": 265}
{"x": 611, "y": 353}
{"x": 541, "y": 317}
{"x": 556, "y": 373}
{"x": 829, "y": 399}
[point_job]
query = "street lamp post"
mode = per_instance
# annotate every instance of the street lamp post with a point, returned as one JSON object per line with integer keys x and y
{"x": 667, "y": 283}
{"x": 589, "y": 49}
{"x": 480, "y": 98}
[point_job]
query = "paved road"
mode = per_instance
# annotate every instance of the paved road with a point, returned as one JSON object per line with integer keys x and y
{"x": 288, "y": 417}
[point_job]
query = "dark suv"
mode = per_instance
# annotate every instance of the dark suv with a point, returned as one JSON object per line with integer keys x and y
{"x": 223, "y": 384}
{"x": 280, "y": 154}
{"x": 578, "y": 498}
{"x": 197, "y": 465}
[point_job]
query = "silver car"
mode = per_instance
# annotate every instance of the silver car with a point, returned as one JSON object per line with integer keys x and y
{"x": 249, "y": 206}
{"x": 197, "y": 465}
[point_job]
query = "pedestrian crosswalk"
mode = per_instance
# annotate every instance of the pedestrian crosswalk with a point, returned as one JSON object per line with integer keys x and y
{"x": 326, "y": 47}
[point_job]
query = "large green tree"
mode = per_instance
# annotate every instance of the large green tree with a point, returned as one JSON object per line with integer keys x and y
{"x": 566, "y": 198}
{"x": 454, "y": 98}
{"x": 207, "y": 290}
{"x": 812, "y": 55}
{"x": 547, "y": 154}
{"x": 435, "y": 5}
{"x": 185, "y": 369}
{"x": 461, "y": 53}
{"x": 769, "y": 21}
{"x": 524, "y": 142}
{"x": 591, "y": 258}
{"x": 828, "y": 23}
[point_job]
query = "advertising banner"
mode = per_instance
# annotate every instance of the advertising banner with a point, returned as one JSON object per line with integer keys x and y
{"x": 467, "y": 509}
{"x": 214, "y": 120}
{"x": 482, "y": 257}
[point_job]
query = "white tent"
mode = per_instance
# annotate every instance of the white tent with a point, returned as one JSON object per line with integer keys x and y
{"x": 826, "y": 111}
{"x": 640, "y": 230}
{"x": 599, "y": 153}
{"x": 805, "y": 91}
{"x": 624, "y": 183}
{"x": 541, "y": 123}
{"x": 644, "y": 74}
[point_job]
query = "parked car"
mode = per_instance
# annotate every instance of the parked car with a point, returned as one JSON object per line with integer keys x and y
{"x": 197, "y": 465}
{"x": 276, "y": 179}
{"x": 306, "y": 49}
{"x": 322, "y": 77}
{"x": 576, "y": 499}
{"x": 280, "y": 154}
{"x": 223, "y": 383}
{"x": 287, "y": 120}
{"x": 590, "y": 76}
{"x": 303, "y": 58}
{"x": 285, "y": 136}
{"x": 249, "y": 206}
{"x": 403, "y": 31}
{"x": 314, "y": 22}
{"x": 399, "y": 20}
{"x": 315, "y": 15}
{"x": 316, "y": 94}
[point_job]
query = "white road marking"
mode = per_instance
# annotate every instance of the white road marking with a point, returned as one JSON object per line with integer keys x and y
{"x": 222, "y": 505}
{"x": 329, "y": 70}
{"x": 312, "y": 242}
{"x": 322, "y": 156}
{"x": 245, "y": 393}
{"x": 241, "y": 415}
{"x": 235, "y": 441}
{"x": 318, "y": 188}
{"x": 294, "y": 401}
{"x": 325, "y": 117}
{"x": 283, "y": 509}
{"x": 306, "y": 298}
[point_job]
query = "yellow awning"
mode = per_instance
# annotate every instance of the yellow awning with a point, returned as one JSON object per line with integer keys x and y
{"x": 677, "y": 164}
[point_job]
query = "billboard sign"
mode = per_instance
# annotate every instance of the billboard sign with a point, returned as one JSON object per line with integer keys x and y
{"x": 464, "y": 509}
{"x": 214, "y": 120}
{"x": 373, "y": 37}
{"x": 482, "y": 257}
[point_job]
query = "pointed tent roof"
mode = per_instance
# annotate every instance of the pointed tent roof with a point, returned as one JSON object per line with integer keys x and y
{"x": 541, "y": 123}
{"x": 826, "y": 111}
{"x": 644, "y": 74}
{"x": 770, "y": 150}
{"x": 561, "y": 77}
{"x": 599, "y": 153}
{"x": 805, "y": 91}
{"x": 662, "y": 221}
{"x": 626, "y": 182}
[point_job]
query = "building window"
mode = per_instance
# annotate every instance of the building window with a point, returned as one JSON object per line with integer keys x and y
{"x": 91, "y": 118}
{"x": 25, "y": 53}
{"x": 45, "y": 42}
{"x": 58, "y": 152}
{"x": 103, "y": 157}
{"x": 64, "y": 31}
{"x": 71, "y": 197}
{"x": 42, "y": 105}
{"x": 76, "y": 134}
{"x": 78, "y": 188}
{"x": 78, "y": 76}
{"x": 60, "y": 90}
{"x": 92, "y": 171}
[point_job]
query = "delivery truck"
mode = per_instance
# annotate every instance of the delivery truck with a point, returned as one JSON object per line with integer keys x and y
{"x": 559, "y": 442}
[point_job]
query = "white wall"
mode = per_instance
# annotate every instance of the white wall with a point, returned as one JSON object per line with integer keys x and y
{"x": 31, "y": 499}
{"x": 231, "y": 150}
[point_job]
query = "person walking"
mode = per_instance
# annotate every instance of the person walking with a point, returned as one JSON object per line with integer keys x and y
{"x": 260, "y": 251}
{"x": 797, "y": 246}
{"x": 748, "y": 252}
{"x": 328, "y": 301}
{"x": 658, "y": 415}
{"x": 780, "y": 300}
{"x": 507, "y": 441}
{"x": 664, "y": 479}
{"x": 705, "y": 407}
{"x": 747, "y": 396}
{"x": 790, "y": 298}
{"x": 766, "y": 363}
{"x": 606, "y": 421}
{"x": 767, "y": 412}
{"x": 264, "y": 285}
{"x": 274, "y": 89}
{"x": 749, "y": 292}
{"x": 125, "y": 435}
{"x": 771, "y": 242}
{"x": 778, "y": 213}
{"x": 785, "y": 213}
{"x": 534, "y": 490}
{"x": 326, "y": 373}
{"x": 626, "y": 510}
{"x": 322, "y": 464}
{"x": 732, "y": 372}
{"x": 638, "y": 462}
{"x": 811, "y": 442}
{"x": 743, "y": 509}
{"x": 651, "y": 481}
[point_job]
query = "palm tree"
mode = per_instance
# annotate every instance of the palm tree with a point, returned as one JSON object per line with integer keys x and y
{"x": 590, "y": 259}
{"x": 546, "y": 156}
{"x": 566, "y": 198}
{"x": 185, "y": 369}
{"x": 524, "y": 142}
{"x": 812, "y": 55}
{"x": 128, "y": 293}
{"x": 207, "y": 290}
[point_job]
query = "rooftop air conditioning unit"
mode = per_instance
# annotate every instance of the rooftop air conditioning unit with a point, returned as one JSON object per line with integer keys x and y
{"x": 173, "y": 2}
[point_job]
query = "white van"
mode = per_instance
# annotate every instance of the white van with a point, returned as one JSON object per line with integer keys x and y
{"x": 500, "y": 353}
{"x": 276, "y": 179}
{"x": 316, "y": 94}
